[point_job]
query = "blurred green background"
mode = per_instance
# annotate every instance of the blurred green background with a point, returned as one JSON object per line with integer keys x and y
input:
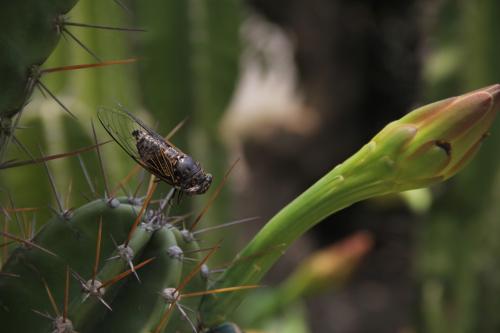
{"x": 293, "y": 88}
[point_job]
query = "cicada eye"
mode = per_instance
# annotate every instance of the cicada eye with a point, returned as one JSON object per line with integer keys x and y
{"x": 187, "y": 166}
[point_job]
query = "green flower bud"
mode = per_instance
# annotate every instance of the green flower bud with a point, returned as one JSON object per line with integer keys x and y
{"x": 441, "y": 138}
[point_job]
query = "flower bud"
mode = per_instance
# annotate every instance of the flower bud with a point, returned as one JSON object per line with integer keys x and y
{"x": 441, "y": 138}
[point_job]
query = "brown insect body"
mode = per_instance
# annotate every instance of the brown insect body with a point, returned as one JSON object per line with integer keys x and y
{"x": 154, "y": 153}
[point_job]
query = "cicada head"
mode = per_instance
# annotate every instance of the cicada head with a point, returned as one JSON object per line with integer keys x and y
{"x": 195, "y": 180}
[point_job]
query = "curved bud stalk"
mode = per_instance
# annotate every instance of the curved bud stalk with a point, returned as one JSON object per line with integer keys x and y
{"x": 424, "y": 147}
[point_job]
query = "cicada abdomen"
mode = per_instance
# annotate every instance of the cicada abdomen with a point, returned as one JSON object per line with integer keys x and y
{"x": 154, "y": 153}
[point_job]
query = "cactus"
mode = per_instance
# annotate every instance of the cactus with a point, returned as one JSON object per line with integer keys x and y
{"x": 73, "y": 238}
{"x": 30, "y": 32}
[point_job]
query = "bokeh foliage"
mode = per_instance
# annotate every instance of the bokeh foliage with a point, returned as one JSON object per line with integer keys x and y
{"x": 457, "y": 263}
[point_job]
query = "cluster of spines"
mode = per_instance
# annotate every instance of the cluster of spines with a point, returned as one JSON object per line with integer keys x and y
{"x": 162, "y": 297}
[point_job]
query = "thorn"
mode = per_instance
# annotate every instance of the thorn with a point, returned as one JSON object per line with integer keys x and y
{"x": 125, "y": 274}
{"x": 66, "y": 294}
{"x": 51, "y": 297}
{"x": 164, "y": 318}
{"x": 168, "y": 198}
{"x": 40, "y": 90}
{"x": 125, "y": 191}
{"x": 40, "y": 83}
{"x": 132, "y": 268}
{"x": 141, "y": 181}
{"x": 22, "y": 146}
{"x": 104, "y": 303}
{"x": 81, "y": 44}
{"x": 104, "y": 27}
{"x": 278, "y": 247}
{"x": 53, "y": 185}
{"x": 13, "y": 164}
{"x": 70, "y": 187}
{"x": 45, "y": 315}
{"x": 84, "y": 66}
{"x": 17, "y": 219}
{"x": 151, "y": 191}
{"x": 197, "y": 268}
{"x": 98, "y": 250}
{"x": 33, "y": 227}
{"x": 176, "y": 128}
{"x": 26, "y": 242}
{"x": 249, "y": 219}
{"x": 127, "y": 178}
{"x": 4, "y": 246}
{"x": 101, "y": 164}
{"x": 86, "y": 175}
{"x": 125, "y": 8}
{"x": 184, "y": 314}
{"x": 221, "y": 290}
{"x": 5, "y": 212}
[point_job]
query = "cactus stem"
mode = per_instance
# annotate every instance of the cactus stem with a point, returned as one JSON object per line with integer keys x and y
{"x": 182, "y": 285}
{"x": 214, "y": 195}
{"x": 79, "y": 42}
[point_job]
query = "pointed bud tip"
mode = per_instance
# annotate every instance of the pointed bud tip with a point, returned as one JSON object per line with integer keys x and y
{"x": 494, "y": 92}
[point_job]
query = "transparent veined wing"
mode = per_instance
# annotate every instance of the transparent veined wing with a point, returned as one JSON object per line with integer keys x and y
{"x": 121, "y": 124}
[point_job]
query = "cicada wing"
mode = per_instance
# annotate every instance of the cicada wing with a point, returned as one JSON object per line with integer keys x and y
{"x": 162, "y": 167}
{"x": 152, "y": 132}
{"x": 120, "y": 124}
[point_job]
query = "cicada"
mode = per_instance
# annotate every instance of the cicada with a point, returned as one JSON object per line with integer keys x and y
{"x": 154, "y": 153}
